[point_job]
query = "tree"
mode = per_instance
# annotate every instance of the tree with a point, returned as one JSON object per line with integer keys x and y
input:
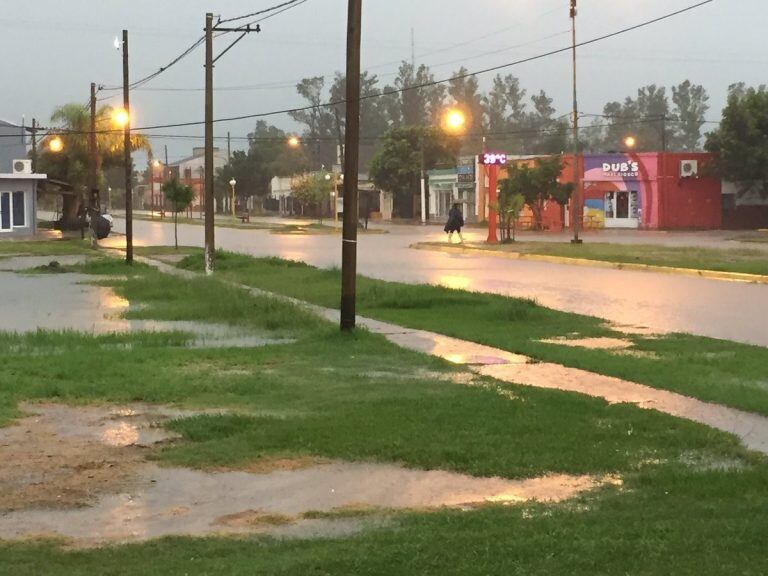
{"x": 548, "y": 135}
{"x": 506, "y": 110}
{"x": 396, "y": 167}
{"x": 646, "y": 117}
{"x": 691, "y": 106}
{"x": 71, "y": 164}
{"x": 319, "y": 120}
{"x": 537, "y": 185}
{"x": 180, "y": 197}
{"x": 741, "y": 142}
{"x": 509, "y": 205}
{"x": 465, "y": 92}
{"x": 314, "y": 190}
{"x": 417, "y": 106}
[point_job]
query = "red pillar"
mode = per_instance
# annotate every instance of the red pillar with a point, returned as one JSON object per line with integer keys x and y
{"x": 493, "y": 180}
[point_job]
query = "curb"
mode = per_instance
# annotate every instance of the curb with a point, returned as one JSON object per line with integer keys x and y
{"x": 693, "y": 272}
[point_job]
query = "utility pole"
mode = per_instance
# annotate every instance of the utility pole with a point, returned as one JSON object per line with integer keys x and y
{"x": 351, "y": 157}
{"x": 229, "y": 148}
{"x": 128, "y": 162}
{"x": 210, "y": 246}
{"x": 34, "y": 145}
{"x": 93, "y": 179}
{"x": 577, "y": 201}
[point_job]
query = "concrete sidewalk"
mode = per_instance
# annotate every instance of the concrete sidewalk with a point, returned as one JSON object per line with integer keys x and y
{"x": 751, "y": 429}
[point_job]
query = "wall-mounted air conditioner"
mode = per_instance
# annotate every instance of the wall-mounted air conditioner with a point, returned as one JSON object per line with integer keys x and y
{"x": 22, "y": 166}
{"x": 689, "y": 168}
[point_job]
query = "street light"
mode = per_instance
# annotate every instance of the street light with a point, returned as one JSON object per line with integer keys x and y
{"x": 56, "y": 145}
{"x": 233, "y": 183}
{"x": 630, "y": 142}
{"x": 454, "y": 121}
{"x": 120, "y": 117}
{"x": 294, "y": 142}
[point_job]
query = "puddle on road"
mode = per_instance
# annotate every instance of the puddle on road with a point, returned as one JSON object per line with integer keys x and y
{"x": 81, "y": 474}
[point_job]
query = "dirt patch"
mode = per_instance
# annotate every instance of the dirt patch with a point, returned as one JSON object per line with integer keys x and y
{"x": 82, "y": 474}
{"x": 64, "y": 457}
{"x": 269, "y": 464}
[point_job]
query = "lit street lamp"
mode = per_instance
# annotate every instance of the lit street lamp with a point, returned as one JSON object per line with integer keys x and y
{"x": 630, "y": 142}
{"x": 233, "y": 183}
{"x": 294, "y": 142}
{"x": 120, "y": 117}
{"x": 453, "y": 122}
{"x": 56, "y": 145}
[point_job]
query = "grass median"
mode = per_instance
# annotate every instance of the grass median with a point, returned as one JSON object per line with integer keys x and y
{"x": 738, "y": 260}
{"x": 718, "y": 371}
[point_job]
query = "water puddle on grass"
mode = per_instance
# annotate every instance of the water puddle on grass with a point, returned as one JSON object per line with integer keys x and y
{"x": 82, "y": 474}
{"x": 602, "y": 343}
{"x": 71, "y": 302}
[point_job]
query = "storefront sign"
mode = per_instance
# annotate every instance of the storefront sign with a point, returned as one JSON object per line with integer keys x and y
{"x": 628, "y": 169}
{"x": 493, "y": 159}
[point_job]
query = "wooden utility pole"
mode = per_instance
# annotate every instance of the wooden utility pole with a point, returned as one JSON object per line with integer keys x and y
{"x": 93, "y": 178}
{"x": 34, "y": 145}
{"x": 577, "y": 201}
{"x": 128, "y": 161}
{"x": 210, "y": 241}
{"x": 351, "y": 157}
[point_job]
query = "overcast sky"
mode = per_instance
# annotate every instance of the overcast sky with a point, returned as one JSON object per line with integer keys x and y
{"x": 53, "y": 49}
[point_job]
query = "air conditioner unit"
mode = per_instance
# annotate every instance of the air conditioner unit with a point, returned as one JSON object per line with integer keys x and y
{"x": 22, "y": 166}
{"x": 689, "y": 168}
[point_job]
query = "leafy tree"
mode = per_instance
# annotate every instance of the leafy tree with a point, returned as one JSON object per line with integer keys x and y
{"x": 396, "y": 167}
{"x": 319, "y": 121}
{"x": 180, "y": 197}
{"x": 71, "y": 164}
{"x": 741, "y": 141}
{"x": 548, "y": 135}
{"x": 418, "y": 106}
{"x": 509, "y": 205}
{"x": 506, "y": 111}
{"x": 690, "y": 109}
{"x": 314, "y": 190}
{"x": 537, "y": 185}
{"x": 646, "y": 117}
{"x": 464, "y": 91}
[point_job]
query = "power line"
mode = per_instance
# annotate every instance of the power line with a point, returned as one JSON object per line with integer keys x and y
{"x": 290, "y": 3}
{"x": 435, "y": 82}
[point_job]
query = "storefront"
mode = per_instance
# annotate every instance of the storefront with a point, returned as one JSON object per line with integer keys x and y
{"x": 18, "y": 204}
{"x": 621, "y": 191}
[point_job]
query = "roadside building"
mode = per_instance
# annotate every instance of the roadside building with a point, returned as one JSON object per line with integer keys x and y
{"x": 18, "y": 184}
{"x": 190, "y": 171}
{"x": 651, "y": 191}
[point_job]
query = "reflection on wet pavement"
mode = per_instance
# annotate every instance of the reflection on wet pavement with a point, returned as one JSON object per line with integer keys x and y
{"x": 148, "y": 501}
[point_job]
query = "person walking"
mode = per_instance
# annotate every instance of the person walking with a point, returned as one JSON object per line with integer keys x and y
{"x": 455, "y": 223}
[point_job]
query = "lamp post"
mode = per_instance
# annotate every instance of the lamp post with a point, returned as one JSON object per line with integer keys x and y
{"x": 629, "y": 143}
{"x": 453, "y": 122}
{"x": 233, "y": 183}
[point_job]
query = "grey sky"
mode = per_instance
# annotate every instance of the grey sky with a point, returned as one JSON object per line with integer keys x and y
{"x": 53, "y": 49}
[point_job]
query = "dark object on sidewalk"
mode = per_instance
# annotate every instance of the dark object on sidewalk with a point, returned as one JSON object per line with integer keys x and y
{"x": 245, "y": 217}
{"x": 102, "y": 225}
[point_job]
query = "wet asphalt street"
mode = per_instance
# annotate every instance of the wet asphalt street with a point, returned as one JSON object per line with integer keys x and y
{"x": 662, "y": 302}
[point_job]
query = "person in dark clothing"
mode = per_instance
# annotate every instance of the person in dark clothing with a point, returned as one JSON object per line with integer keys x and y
{"x": 455, "y": 223}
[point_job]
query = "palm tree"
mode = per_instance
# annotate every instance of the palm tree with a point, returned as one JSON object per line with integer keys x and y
{"x": 71, "y": 164}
